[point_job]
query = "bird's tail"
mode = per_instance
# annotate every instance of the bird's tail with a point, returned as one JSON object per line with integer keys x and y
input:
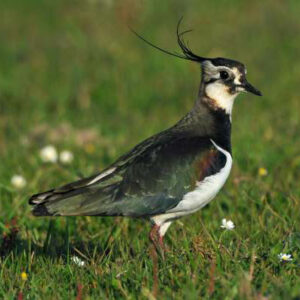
{"x": 38, "y": 201}
{"x": 53, "y": 203}
{"x": 86, "y": 197}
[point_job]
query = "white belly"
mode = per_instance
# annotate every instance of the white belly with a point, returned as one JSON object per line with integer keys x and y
{"x": 205, "y": 191}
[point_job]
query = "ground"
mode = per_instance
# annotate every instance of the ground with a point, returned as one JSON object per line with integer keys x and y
{"x": 72, "y": 75}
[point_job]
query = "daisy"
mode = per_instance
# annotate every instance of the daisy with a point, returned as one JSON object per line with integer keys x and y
{"x": 285, "y": 257}
{"x": 18, "y": 181}
{"x": 78, "y": 261}
{"x": 48, "y": 154}
{"x": 66, "y": 157}
{"x": 227, "y": 224}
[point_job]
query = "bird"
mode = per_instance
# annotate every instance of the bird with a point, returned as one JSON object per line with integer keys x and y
{"x": 171, "y": 174}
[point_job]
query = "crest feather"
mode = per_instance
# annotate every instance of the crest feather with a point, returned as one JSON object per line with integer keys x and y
{"x": 187, "y": 52}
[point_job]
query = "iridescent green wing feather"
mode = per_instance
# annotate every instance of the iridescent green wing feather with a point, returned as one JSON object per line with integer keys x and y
{"x": 149, "y": 180}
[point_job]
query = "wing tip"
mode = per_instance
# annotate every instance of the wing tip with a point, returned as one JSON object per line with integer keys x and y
{"x": 41, "y": 210}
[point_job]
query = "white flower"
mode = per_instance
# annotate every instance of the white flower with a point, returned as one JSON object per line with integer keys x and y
{"x": 66, "y": 157}
{"x": 48, "y": 154}
{"x": 18, "y": 181}
{"x": 285, "y": 257}
{"x": 229, "y": 225}
{"x": 78, "y": 261}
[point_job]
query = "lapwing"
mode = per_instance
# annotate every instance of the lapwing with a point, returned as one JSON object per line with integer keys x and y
{"x": 171, "y": 174}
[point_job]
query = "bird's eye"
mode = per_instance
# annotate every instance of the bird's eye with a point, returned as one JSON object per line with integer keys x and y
{"x": 224, "y": 74}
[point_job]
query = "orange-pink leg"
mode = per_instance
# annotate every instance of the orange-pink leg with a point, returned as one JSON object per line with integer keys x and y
{"x": 156, "y": 238}
{"x": 153, "y": 236}
{"x": 161, "y": 242}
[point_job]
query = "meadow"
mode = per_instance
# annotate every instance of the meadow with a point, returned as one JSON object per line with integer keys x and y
{"x": 72, "y": 75}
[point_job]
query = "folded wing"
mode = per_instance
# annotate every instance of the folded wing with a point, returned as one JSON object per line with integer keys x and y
{"x": 147, "y": 181}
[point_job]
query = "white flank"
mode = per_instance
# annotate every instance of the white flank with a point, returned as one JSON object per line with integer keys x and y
{"x": 102, "y": 175}
{"x": 205, "y": 191}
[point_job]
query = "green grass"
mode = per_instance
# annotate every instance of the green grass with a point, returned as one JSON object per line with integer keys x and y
{"x": 72, "y": 75}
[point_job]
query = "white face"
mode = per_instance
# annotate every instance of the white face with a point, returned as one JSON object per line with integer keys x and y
{"x": 219, "y": 82}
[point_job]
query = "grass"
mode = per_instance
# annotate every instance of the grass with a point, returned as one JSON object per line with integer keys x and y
{"x": 72, "y": 75}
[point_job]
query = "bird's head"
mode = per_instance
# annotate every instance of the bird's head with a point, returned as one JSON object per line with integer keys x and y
{"x": 222, "y": 80}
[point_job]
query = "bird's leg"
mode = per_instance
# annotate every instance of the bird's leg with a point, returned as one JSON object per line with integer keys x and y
{"x": 157, "y": 239}
{"x": 154, "y": 234}
{"x": 162, "y": 231}
{"x": 153, "y": 253}
{"x": 161, "y": 242}
{"x": 163, "y": 246}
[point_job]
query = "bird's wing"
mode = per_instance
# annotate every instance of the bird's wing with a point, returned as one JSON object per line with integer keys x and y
{"x": 148, "y": 180}
{"x": 159, "y": 178}
{"x": 112, "y": 174}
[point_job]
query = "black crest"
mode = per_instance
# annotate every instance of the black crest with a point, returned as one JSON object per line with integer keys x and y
{"x": 187, "y": 52}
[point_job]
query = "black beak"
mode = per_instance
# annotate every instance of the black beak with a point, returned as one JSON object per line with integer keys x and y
{"x": 250, "y": 88}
